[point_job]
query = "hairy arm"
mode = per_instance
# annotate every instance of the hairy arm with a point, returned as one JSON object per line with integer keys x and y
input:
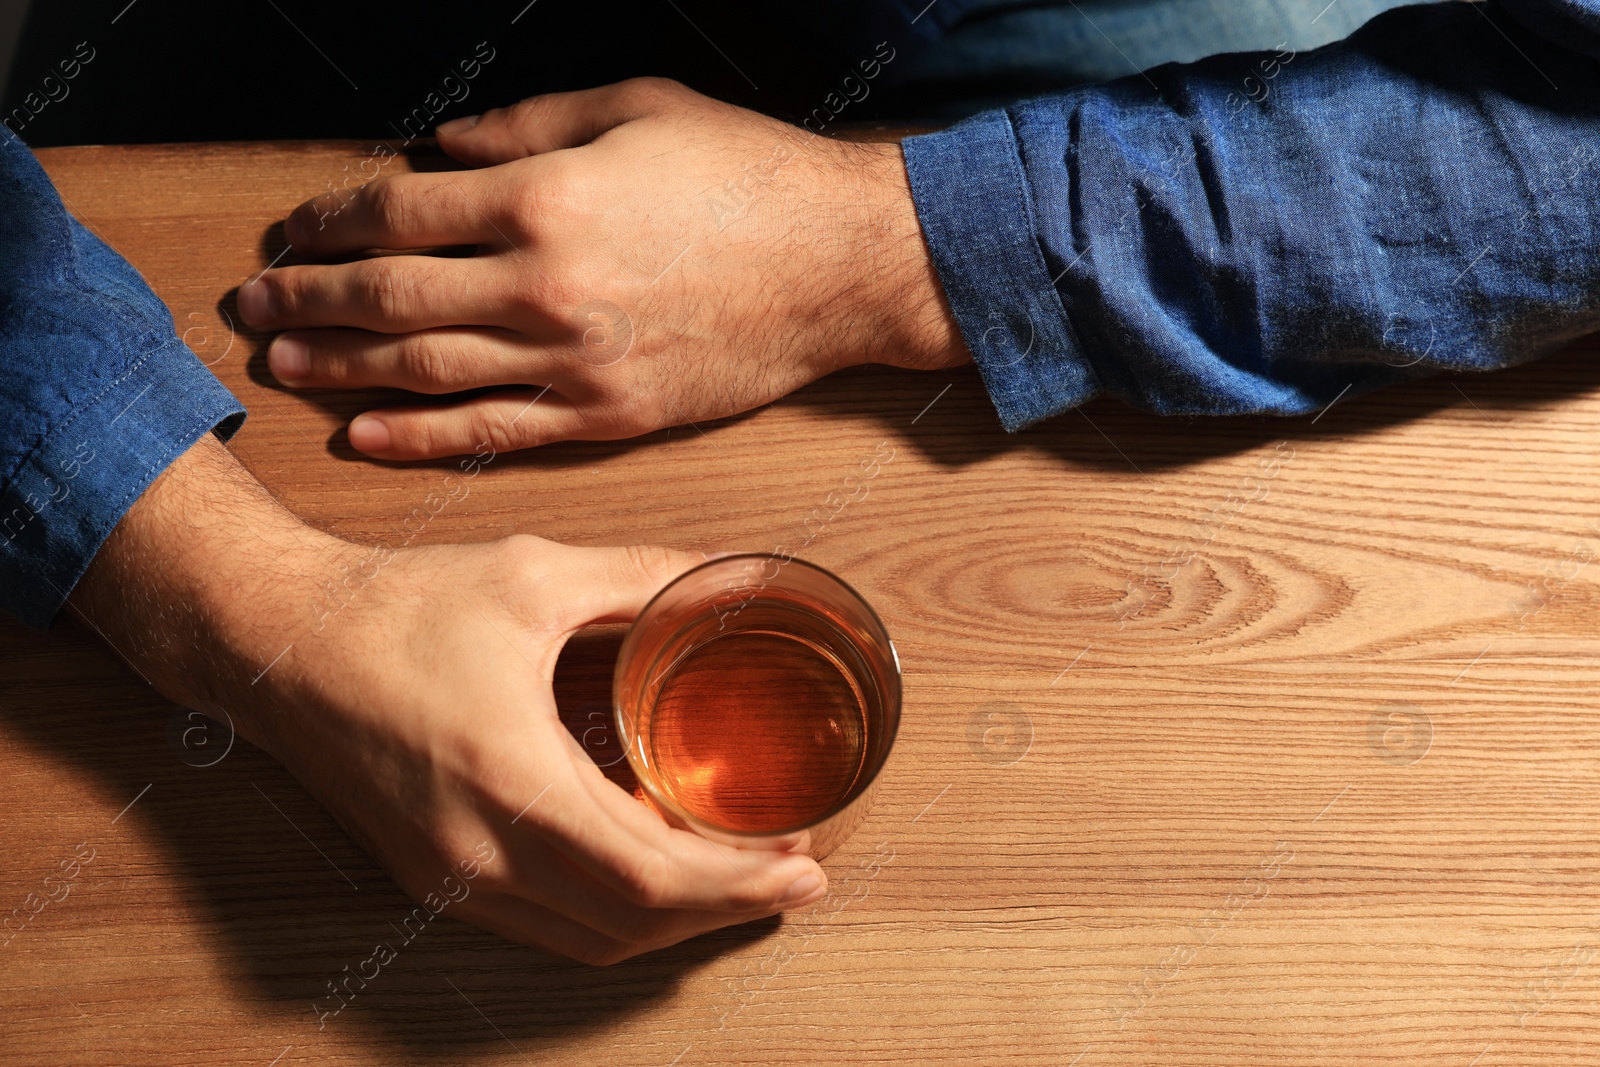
{"x": 421, "y": 713}
{"x": 204, "y": 581}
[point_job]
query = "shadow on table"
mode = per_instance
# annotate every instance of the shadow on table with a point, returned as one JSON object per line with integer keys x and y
{"x": 961, "y": 427}
{"x": 275, "y": 878}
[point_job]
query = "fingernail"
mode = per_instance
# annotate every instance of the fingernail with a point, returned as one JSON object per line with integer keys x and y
{"x": 455, "y": 126}
{"x": 369, "y": 434}
{"x": 289, "y": 359}
{"x": 805, "y": 888}
{"x": 257, "y": 305}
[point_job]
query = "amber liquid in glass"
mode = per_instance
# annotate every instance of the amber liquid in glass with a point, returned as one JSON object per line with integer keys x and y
{"x": 764, "y": 718}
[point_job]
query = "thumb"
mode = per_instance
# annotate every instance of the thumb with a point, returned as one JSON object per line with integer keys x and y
{"x": 614, "y": 584}
{"x": 553, "y": 121}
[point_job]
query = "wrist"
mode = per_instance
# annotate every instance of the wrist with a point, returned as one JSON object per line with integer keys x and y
{"x": 261, "y": 606}
{"x": 920, "y": 330}
{"x": 205, "y": 581}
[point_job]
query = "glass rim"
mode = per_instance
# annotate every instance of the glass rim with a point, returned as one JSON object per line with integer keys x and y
{"x": 659, "y": 798}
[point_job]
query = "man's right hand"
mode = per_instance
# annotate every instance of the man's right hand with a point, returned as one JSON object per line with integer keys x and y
{"x": 618, "y": 267}
{"x": 421, "y": 712}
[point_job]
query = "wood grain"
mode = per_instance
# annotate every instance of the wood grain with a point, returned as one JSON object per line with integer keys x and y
{"x": 1200, "y": 764}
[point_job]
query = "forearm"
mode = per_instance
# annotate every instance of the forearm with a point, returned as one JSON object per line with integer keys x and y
{"x": 1260, "y": 233}
{"x": 205, "y": 580}
{"x": 97, "y": 393}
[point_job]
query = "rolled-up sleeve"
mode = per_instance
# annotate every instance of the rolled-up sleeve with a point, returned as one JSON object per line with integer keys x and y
{"x": 977, "y": 215}
{"x": 97, "y": 393}
{"x": 1263, "y": 233}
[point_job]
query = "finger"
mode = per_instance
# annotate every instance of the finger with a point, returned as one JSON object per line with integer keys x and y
{"x": 645, "y": 823}
{"x": 399, "y": 212}
{"x": 555, "y": 120}
{"x": 389, "y": 294}
{"x": 545, "y": 877}
{"x": 543, "y": 928}
{"x": 640, "y": 819}
{"x": 614, "y": 584}
{"x": 502, "y": 422}
{"x": 659, "y": 866}
{"x": 429, "y": 361}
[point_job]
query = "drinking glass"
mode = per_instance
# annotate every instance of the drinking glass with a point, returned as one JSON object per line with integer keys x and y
{"x": 757, "y": 698}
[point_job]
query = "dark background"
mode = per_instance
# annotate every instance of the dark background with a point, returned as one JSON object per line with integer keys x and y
{"x": 185, "y": 70}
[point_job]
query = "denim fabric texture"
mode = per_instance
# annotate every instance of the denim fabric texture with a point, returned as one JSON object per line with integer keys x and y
{"x": 97, "y": 397}
{"x": 1261, "y": 232}
{"x": 986, "y": 54}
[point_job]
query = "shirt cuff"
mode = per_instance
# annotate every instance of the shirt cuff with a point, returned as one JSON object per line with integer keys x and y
{"x": 972, "y": 200}
{"x": 72, "y": 490}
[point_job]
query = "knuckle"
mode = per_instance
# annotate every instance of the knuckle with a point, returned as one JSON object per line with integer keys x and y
{"x": 555, "y": 191}
{"x": 532, "y": 111}
{"x": 522, "y": 558}
{"x": 650, "y": 562}
{"x": 384, "y": 291}
{"x": 536, "y": 296}
{"x": 650, "y": 91}
{"x": 491, "y": 427}
{"x": 287, "y": 289}
{"x": 564, "y": 291}
{"x": 334, "y": 368}
{"x": 520, "y": 567}
{"x": 525, "y": 205}
{"x": 528, "y": 202}
{"x": 426, "y": 359}
{"x": 388, "y": 205}
{"x": 526, "y": 550}
{"x": 628, "y": 412}
{"x": 495, "y": 878}
{"x": 646, "y": 881}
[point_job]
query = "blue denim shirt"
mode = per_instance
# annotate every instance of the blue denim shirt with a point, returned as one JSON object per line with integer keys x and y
{"x": 1262, "y": 232}
{"x": 1248, "y": 233}
{"x": 97, "y": 394}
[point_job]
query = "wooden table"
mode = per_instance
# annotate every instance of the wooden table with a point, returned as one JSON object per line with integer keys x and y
{"x": 1226, "y": 742}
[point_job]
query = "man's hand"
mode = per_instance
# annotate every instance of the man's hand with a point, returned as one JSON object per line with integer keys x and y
{"x": 646, "y": 257}
{"x": 416, "y": 704}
